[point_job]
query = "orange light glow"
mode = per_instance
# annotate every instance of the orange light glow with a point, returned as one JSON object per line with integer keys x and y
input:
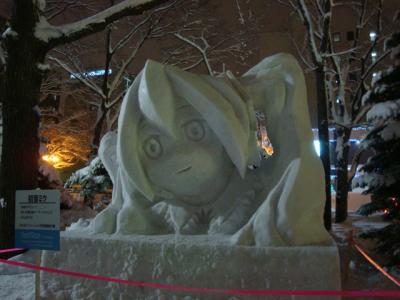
{"x": 51, "y": 159}
{"x": 269, "y": 150}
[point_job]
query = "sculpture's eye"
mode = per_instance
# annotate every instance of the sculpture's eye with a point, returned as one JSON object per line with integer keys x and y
{"x": 152, "y": 147}
{"x": 194, "y": 130}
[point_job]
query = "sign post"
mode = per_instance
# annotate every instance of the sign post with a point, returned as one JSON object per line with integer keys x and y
{"x": 37, "y": 219}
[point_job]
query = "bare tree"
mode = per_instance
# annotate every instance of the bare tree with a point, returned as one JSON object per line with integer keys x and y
{"x": 316, "y": 17}
{"x": 344, "y": 74}
{"x": 204, "y": 40}
{"x": 194, "y": 37}
{"x": 65, "y": 129}
{"x": 108, "y": 84}
{"x": 26, "y": 42}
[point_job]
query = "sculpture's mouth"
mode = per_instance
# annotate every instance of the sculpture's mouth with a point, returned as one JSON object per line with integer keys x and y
{"x": 184, "y": 170}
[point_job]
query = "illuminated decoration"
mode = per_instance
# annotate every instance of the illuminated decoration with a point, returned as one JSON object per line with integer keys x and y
{"x": 262, "y": 137}
{"x": 92, "y": 73}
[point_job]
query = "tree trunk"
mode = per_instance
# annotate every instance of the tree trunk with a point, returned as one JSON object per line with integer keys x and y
{"x": 323, "y": 135}
{"x": 20, "y": 113}
{"x": 98, "y": 130}
{"x": 342, "y": 183}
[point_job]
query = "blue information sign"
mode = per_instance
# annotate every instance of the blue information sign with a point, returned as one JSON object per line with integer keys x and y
{"x": 37, "y": 219}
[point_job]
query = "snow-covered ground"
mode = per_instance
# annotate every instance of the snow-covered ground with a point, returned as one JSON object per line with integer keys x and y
{"x": 18, "y": 283}
{"x": 357, "y": 273}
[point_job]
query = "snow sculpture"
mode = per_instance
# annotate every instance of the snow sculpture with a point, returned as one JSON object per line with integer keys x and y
{"x": 186, "y": 157}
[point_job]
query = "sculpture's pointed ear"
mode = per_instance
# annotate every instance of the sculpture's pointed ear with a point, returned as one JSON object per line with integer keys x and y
{"x": 156, "y": 98}
{"x": 134, "y": 177}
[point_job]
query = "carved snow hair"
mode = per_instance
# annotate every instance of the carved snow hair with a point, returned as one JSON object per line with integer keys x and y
{"x": 222, "y": 103}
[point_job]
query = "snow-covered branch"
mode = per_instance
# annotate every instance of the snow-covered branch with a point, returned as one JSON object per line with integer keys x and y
{"x": 305, "y": 15}
{"x": 81, "y": 77}
{"x": 57, "y": 35}
{"x": 145, "y": 21}
{"x": 202, "y": 50}
{"x": 126, "y": 63}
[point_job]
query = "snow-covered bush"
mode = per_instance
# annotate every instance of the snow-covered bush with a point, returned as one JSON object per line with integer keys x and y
{"x": 92, "y": 179}
{"x": 49, "y": 178}
{"x": 382, "y": 171}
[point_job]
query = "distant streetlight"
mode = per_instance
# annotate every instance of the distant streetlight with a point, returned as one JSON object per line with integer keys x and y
{"x": 372, "y": 36}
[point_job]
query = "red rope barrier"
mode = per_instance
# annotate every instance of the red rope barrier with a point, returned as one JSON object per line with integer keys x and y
{"x": 374, "y": 263}
{"x": 11, "y": 250}
{"x": 388, "y": 294}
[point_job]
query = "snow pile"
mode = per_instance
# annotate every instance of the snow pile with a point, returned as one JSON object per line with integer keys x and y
{"x": 384, "y": 111}
{"x": 373, "y": 180}
{"x": 43, "y": 67}
{"x": 49, "y": 172}
{"x": 44, "y": 31}
{"x": 18, "y": 283}
{"x": 391, "y": 131}
{"x": 17, "y": 287}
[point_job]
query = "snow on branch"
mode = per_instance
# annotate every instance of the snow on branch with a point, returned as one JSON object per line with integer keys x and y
{"x": 57, "y": 35}
{"x": 305, "y": 15}
{"x": 81, "y": 78}
{"x": 203, "y": 51}
{"x": 135, "y": 29}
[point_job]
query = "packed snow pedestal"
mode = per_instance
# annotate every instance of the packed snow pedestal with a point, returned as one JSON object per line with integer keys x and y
{"x": 201, "y": 261}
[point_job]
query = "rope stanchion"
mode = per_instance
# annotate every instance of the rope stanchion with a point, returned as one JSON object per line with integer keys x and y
{"x": 308, "y": 293}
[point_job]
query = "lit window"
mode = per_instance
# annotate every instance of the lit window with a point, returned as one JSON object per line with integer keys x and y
{"x": 372, "y": 36}
{"x": 91, "y": 73}
{"x": 374, "y": 54}
{"x": 336, "y": 37}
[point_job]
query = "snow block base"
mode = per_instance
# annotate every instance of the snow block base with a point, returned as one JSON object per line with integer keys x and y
{"x": 192, "y": 261}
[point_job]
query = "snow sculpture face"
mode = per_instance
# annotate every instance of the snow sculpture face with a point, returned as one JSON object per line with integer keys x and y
{"x": 181, "y": 139}
{"x": 188, "y": 165}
